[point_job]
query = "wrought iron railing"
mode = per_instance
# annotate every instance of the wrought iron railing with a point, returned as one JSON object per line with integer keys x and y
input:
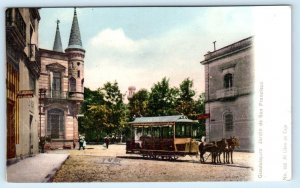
{"x": 56, "y": 94}
{"x": 15, "y": 26}
{"x": 62, "y": 95}
{"x": 227, "y": 93}
{"x": 14, "y": 17}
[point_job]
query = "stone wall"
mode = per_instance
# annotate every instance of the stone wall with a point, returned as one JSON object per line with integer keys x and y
{"x": 235, "y": 100}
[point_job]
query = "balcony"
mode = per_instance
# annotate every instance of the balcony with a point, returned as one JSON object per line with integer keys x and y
{"x": 227, "y": 93}
{"x": 56, "y": 94}
{"x": 15, "y": 28}
{"x": 34, "y": 60}
{"x": 62, "y": 95}
{"x": 78, "y": 96}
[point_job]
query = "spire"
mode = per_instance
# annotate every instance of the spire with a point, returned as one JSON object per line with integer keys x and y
{"x": 57, "y": 41}
{"x": 75, "y": 39}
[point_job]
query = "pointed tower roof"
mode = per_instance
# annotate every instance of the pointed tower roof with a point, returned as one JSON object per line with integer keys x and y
{"x": 75, "y": 38}
{"x": 57, "y": 41}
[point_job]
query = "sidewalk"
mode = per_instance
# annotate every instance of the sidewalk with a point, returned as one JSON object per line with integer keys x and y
{"x": 39, "y": 168}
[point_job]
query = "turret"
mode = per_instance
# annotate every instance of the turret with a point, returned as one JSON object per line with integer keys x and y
{"x": 76, "y": 55}
{"x": 57, "y": 46}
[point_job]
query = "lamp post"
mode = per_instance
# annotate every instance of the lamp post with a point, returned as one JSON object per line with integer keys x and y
{"x": 42, "y": 93}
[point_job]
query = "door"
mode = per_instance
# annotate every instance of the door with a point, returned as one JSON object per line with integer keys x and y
{"x": 11, "y": 141}
{"x": 54, "y": 119}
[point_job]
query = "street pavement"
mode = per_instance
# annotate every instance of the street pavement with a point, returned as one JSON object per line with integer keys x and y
{"x": 36, "y": 169}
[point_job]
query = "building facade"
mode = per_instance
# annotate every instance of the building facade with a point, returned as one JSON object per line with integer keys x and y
{"x": 22, "y": 73}
{"x": 61, "y": 91}
{"x": 229, "y": 85}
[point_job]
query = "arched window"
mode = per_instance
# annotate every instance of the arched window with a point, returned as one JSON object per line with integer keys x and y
{"x": 228, "y": 122}
{"x": 228, "y": 80}
{"x": 72, "y": 84}
{"x": 55, "y": 124}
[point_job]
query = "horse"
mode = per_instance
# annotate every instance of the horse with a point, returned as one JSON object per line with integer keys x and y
{"x": 208, "y": 147}
{"x": 221, "y": 147}
{"x": 232, "y": 142}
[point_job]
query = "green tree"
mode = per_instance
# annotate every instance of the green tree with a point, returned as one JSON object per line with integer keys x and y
{"x": 162, "y": 99}
{"x": 138, "y": 104}
{"x": 104, "y": 112}
{"x": 185, "y": 102}
{"x": 114, "y": 103}
{"x": 92, "y": 107}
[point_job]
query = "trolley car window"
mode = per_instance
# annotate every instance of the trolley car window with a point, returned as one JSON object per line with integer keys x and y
{"x": 156, "y": 132}
{"x": 183, "y": 130}
{"x": 138, "y": 132}
{"x": 166, "y": 132}
{"x": 147, "y": 131}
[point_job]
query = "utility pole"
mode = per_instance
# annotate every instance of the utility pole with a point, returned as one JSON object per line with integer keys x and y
{"x": 42, "y": 93}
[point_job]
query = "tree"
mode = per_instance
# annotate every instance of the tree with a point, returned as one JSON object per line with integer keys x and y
{"x": 92, "y": 108}
{"x": 114, "y": 102}
{"x": 138, "y": 104}
{"x": 104, "y": 112}
{"x": 162, "y": 99}
{"x": 185, "y": 102}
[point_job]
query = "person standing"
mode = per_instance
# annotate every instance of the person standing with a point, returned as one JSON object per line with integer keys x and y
{"x": 81, "y": 140}
{"x": 106, "y": 140}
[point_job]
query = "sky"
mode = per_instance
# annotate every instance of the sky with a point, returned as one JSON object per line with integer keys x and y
{"x": 138, "y": 46}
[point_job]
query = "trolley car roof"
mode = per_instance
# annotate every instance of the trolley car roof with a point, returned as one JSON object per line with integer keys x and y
{"x": 160, "y": 120}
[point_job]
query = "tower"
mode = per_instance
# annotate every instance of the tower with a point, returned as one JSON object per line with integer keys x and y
{"x": 57, "y": 46}
{"x": 75, "y": 53}
{"x": 131, "y": 92}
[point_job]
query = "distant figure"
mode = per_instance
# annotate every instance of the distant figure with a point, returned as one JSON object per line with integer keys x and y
{"x": 106, "y": 140}
{"x": 84, "y": 144}
{"x": 81, "y": 141}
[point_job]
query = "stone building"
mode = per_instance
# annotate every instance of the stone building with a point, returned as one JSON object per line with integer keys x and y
{"x": 228, "y": 93}
{"x": 22, "y": 72}
{"x": 61, "y": 89}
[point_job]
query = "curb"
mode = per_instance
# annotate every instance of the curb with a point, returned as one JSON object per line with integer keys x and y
{"x": 49, "y": 177}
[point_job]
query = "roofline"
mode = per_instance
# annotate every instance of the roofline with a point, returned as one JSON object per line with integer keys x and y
{"x": 227, "y": 50}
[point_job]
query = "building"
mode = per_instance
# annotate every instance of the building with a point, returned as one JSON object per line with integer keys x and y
{"x": 131, "y": 92}
{"x": 228, "y": 93}
{"x": 61, "y": 86}
{"x": 22, "y": 73}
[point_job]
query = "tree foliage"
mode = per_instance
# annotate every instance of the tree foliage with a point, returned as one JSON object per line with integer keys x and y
{"x": 162, "y": 99}
{"x": 104, "y": 112}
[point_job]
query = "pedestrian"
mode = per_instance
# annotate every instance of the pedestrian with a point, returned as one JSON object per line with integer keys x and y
{"x": 106, "y": 140}
{"x": 84, "y": 144}
{"x": 81, "y": 140}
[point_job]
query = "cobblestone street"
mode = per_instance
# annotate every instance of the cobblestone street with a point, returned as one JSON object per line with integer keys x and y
{"x": 98, "y": 164}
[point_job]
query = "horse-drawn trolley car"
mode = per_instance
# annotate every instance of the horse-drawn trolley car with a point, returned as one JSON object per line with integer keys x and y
{"x": 165, "y": 137}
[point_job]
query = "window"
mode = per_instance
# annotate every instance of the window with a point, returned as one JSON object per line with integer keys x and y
{"x": 228, "y": 122}
{"x": 55, "y": 124}
{"x": 56, "y": 84}
{"x": 78, "y": 63}
{"x": 72, "y": 84}
{"x": 78, "y": 74}
{"x": 182, "y": 130}
{"x": 228, "y": 80}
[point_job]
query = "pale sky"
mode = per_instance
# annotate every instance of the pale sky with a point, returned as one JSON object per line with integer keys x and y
{"x": 138, "y": 46}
